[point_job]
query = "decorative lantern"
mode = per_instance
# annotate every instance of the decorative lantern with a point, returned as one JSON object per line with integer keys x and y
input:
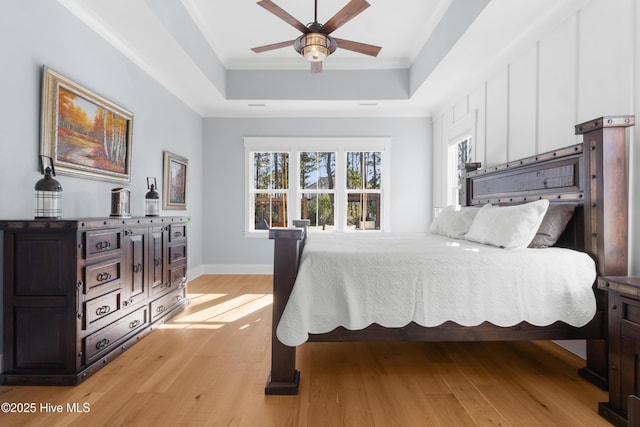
{"x": 152, "y": 199}
{"x": 48, "y": 193}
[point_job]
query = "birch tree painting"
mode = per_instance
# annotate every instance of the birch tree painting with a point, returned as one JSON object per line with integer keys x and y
{"x": 86, "y": 134}
{"x": 90, "y": 135}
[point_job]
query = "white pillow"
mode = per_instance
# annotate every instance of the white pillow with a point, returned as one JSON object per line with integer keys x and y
{"x": 508, "y": 226}
{"x": 454, "y": 221}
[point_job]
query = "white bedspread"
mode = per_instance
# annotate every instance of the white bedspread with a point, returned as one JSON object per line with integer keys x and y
{"x": 393, "y": 279}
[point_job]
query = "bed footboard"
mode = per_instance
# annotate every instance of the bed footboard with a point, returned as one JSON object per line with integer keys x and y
{"x": 289, "y": 242}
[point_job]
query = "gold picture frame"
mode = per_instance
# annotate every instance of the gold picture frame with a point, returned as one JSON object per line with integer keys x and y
{"x": 85, "y": 134}
{"x": 174, "y": 190}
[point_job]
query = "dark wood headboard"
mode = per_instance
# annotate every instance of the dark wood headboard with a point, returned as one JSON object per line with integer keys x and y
{"x": 591, "y": 175}
{"x": 558, "y": 176}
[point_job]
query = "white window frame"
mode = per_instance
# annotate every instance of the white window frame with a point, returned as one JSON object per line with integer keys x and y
{"x": 453, "y": 170}
{"x": 463, "y": 129}
{"x": 340, "y": 146}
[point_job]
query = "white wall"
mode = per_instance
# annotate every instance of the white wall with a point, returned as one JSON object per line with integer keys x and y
{"x": 583, "y": 68}
{"x": 36, "y": 32}
{"x": 225, "y": 246}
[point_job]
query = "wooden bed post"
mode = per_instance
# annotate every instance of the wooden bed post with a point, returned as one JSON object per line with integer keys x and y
{"x": 605, "y": 208}
{"x": 283, "y": 378}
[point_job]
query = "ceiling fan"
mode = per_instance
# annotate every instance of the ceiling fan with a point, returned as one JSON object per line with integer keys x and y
{"x": 315, "y": 43}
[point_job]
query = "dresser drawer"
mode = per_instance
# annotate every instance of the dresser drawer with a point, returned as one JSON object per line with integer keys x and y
{"x": 177, "y": 253}
{"x": 164, "y": 304}
{"x": 177, "y": 232}
{"x": 101, "y": 242}
{"x": 102, "y": 309}
{"x": 177, "y": 275}
{"x": 109, "y": 336}
{"x": 100, "y": 276}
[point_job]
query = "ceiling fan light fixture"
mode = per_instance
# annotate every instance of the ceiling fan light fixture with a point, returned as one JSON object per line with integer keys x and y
{"x": 315, "y": 44}
{"x": 315, "y": 47}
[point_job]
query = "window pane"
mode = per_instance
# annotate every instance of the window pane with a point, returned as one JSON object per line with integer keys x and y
{"x": 363, "y": 211}
{"x": 354, "y": 170}
{"x": 364, "y": 170}
{"x": 317, "y": 170}
{"x": 319, "y": 209}
{"x": 270, "y": 210}
{"x": 373, "y": 169}
{"x": 280, "y": 171}
{"x": 262, "y": 170}
{"x": 326, "y": 170}
{"x": 308, "y": 170}
{"x": 271, "y": 170}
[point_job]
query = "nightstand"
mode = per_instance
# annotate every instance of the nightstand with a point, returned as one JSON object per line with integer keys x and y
{"x": 624, "y": 346}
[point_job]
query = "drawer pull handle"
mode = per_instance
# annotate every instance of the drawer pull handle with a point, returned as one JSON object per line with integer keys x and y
{"x": 103, "y": 246}
{"x": 101, "y": 311}
{"x": 160, "y": 309}
{"x": 134, "y": 324}
{"x": 102, "y": 343}
{"x": 103, "y": 277}
{"x": 137, "y": 268}
{"x": 177, "y": 234}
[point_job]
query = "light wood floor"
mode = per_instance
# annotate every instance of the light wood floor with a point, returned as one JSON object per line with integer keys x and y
{"x": 208, "y": 368}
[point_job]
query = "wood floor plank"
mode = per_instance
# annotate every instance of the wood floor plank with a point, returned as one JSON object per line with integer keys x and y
{"x": 208, "y": 367}
{"x": 481, "y": 411}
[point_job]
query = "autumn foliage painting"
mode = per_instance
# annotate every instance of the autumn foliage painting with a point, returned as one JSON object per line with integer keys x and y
{"x": 85, "y": 134}
{"x": 90, "y": 135}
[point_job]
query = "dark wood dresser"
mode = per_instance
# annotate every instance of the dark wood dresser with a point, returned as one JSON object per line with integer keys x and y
{"x": 78, "y": 292}
{"x": 624, "y": 347}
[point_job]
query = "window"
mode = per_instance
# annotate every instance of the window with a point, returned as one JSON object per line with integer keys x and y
{"x": 363, "y": 190}
{"x": 338, "y": 184}
{"x": 317, "y": 186}
{"x": 458, "y": 154}
{"x": 270, "y": 189}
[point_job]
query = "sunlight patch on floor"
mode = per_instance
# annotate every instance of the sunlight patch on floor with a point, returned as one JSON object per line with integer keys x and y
{"x": 228, "y": 311}
{"x": 191, "y": 326}
{"x": 198, "y": 299}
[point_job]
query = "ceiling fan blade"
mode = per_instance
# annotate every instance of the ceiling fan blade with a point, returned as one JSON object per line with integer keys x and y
{"x": 353, "y": 8}
{"x": 316, "y": 67}
{"x": 273, "y": 46}
{"x": 282, "y": 14}
{"x": 367, "y": 49}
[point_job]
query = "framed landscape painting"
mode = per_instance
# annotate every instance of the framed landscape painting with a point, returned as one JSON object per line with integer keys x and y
{"x": 85, "y": 134}
{"x": 174, "y": 191}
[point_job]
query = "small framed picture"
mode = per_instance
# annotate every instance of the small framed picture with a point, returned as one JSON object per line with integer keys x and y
{"x": 174, "y": 191}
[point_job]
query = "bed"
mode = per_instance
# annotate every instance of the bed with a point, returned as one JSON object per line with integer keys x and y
{"x": 589, "y": 176}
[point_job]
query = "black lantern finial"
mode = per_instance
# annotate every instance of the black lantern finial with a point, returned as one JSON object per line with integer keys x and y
{"x": 48, "y": 193}
{"x": 152, "y": 199}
